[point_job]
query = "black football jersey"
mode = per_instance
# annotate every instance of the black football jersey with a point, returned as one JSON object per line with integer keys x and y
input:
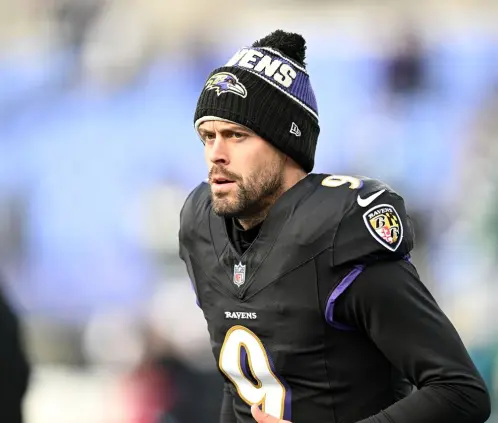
{"x": 270, "y": 310}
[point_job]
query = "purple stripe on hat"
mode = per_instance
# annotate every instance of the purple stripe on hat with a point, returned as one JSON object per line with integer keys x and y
{"x": 301, "y": 89}
{"x": 279, "y": 71}
{"x": 343, "y": 285}
{"x": 408, "y": 258}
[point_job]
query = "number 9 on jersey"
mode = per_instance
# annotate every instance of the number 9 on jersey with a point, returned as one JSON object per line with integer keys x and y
{"x": 244, "y": 360}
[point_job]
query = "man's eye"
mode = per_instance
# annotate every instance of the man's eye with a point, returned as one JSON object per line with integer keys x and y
{"x": 238, "y": 135}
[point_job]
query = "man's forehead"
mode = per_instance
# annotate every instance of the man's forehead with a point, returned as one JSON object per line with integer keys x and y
{"x": 220, "y": 125}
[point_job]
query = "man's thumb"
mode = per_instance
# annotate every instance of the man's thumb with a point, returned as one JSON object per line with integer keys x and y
{"x": 262, "y": 417}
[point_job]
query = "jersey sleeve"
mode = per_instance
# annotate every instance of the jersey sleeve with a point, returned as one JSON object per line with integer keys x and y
{"x": 190, "y": 218}
{"x": 192, "y": 214}
{"x": 391, "y": 305}
{"x": 375, "y": 227}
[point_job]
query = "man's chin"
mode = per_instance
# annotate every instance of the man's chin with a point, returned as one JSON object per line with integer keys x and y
{"x": 221, "y": 208}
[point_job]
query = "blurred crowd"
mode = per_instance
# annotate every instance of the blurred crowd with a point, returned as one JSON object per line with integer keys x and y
{"x": 98, "y": 152}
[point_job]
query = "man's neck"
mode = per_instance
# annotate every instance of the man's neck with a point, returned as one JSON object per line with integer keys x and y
{"x": 251, "y": 222}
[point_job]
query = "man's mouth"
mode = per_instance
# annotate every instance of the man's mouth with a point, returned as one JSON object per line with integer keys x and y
{"x": 222, "y": 181}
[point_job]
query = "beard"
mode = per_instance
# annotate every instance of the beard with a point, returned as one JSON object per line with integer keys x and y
{"x": 252, "y": 198}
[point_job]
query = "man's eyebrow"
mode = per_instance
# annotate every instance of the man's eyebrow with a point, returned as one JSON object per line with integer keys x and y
{"x": 205, "y": 131}
{"x": 237, "y": 129}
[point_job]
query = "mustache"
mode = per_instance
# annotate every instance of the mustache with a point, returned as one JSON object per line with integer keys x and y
{"x": 219, "y": 171}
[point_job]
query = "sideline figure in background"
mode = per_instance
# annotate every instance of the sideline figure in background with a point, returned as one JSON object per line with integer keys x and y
{"x": 14, "y": 367}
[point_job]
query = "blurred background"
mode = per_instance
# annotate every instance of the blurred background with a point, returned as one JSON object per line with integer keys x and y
{"x": 98, "y": 152}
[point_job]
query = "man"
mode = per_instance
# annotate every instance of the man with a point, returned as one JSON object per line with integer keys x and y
{"x": 314, "y": 309}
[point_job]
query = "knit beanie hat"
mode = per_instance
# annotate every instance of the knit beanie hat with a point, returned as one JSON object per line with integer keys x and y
{"x": 266, "y": 88}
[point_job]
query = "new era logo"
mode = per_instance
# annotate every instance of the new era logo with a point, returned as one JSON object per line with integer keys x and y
{"x": 295, "y": 130}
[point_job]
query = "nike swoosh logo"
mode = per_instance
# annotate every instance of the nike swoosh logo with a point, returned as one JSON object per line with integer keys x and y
{"x": 364, "y": 202}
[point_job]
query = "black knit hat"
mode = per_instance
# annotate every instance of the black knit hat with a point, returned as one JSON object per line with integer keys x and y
{"x": 266, "y": 88}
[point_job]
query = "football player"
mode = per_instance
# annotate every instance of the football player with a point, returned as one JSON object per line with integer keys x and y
{"x": 314, "y": 309}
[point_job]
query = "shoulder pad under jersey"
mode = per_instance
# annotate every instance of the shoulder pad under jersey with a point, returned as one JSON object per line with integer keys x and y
{"x": 194, "y": 212}
{"x": 375, "y": 224}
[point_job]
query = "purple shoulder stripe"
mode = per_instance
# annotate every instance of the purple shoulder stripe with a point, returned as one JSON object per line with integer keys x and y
{"x": 343, "y": 285}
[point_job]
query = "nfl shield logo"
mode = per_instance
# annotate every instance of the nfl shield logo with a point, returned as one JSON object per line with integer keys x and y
{"x": 239, "y": 274}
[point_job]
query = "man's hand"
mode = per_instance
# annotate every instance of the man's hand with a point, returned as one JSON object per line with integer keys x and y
{"x": 261, "y": 417}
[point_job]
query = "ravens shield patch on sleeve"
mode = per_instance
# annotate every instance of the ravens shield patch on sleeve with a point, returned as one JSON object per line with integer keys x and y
{"x": 384, "y": 223}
